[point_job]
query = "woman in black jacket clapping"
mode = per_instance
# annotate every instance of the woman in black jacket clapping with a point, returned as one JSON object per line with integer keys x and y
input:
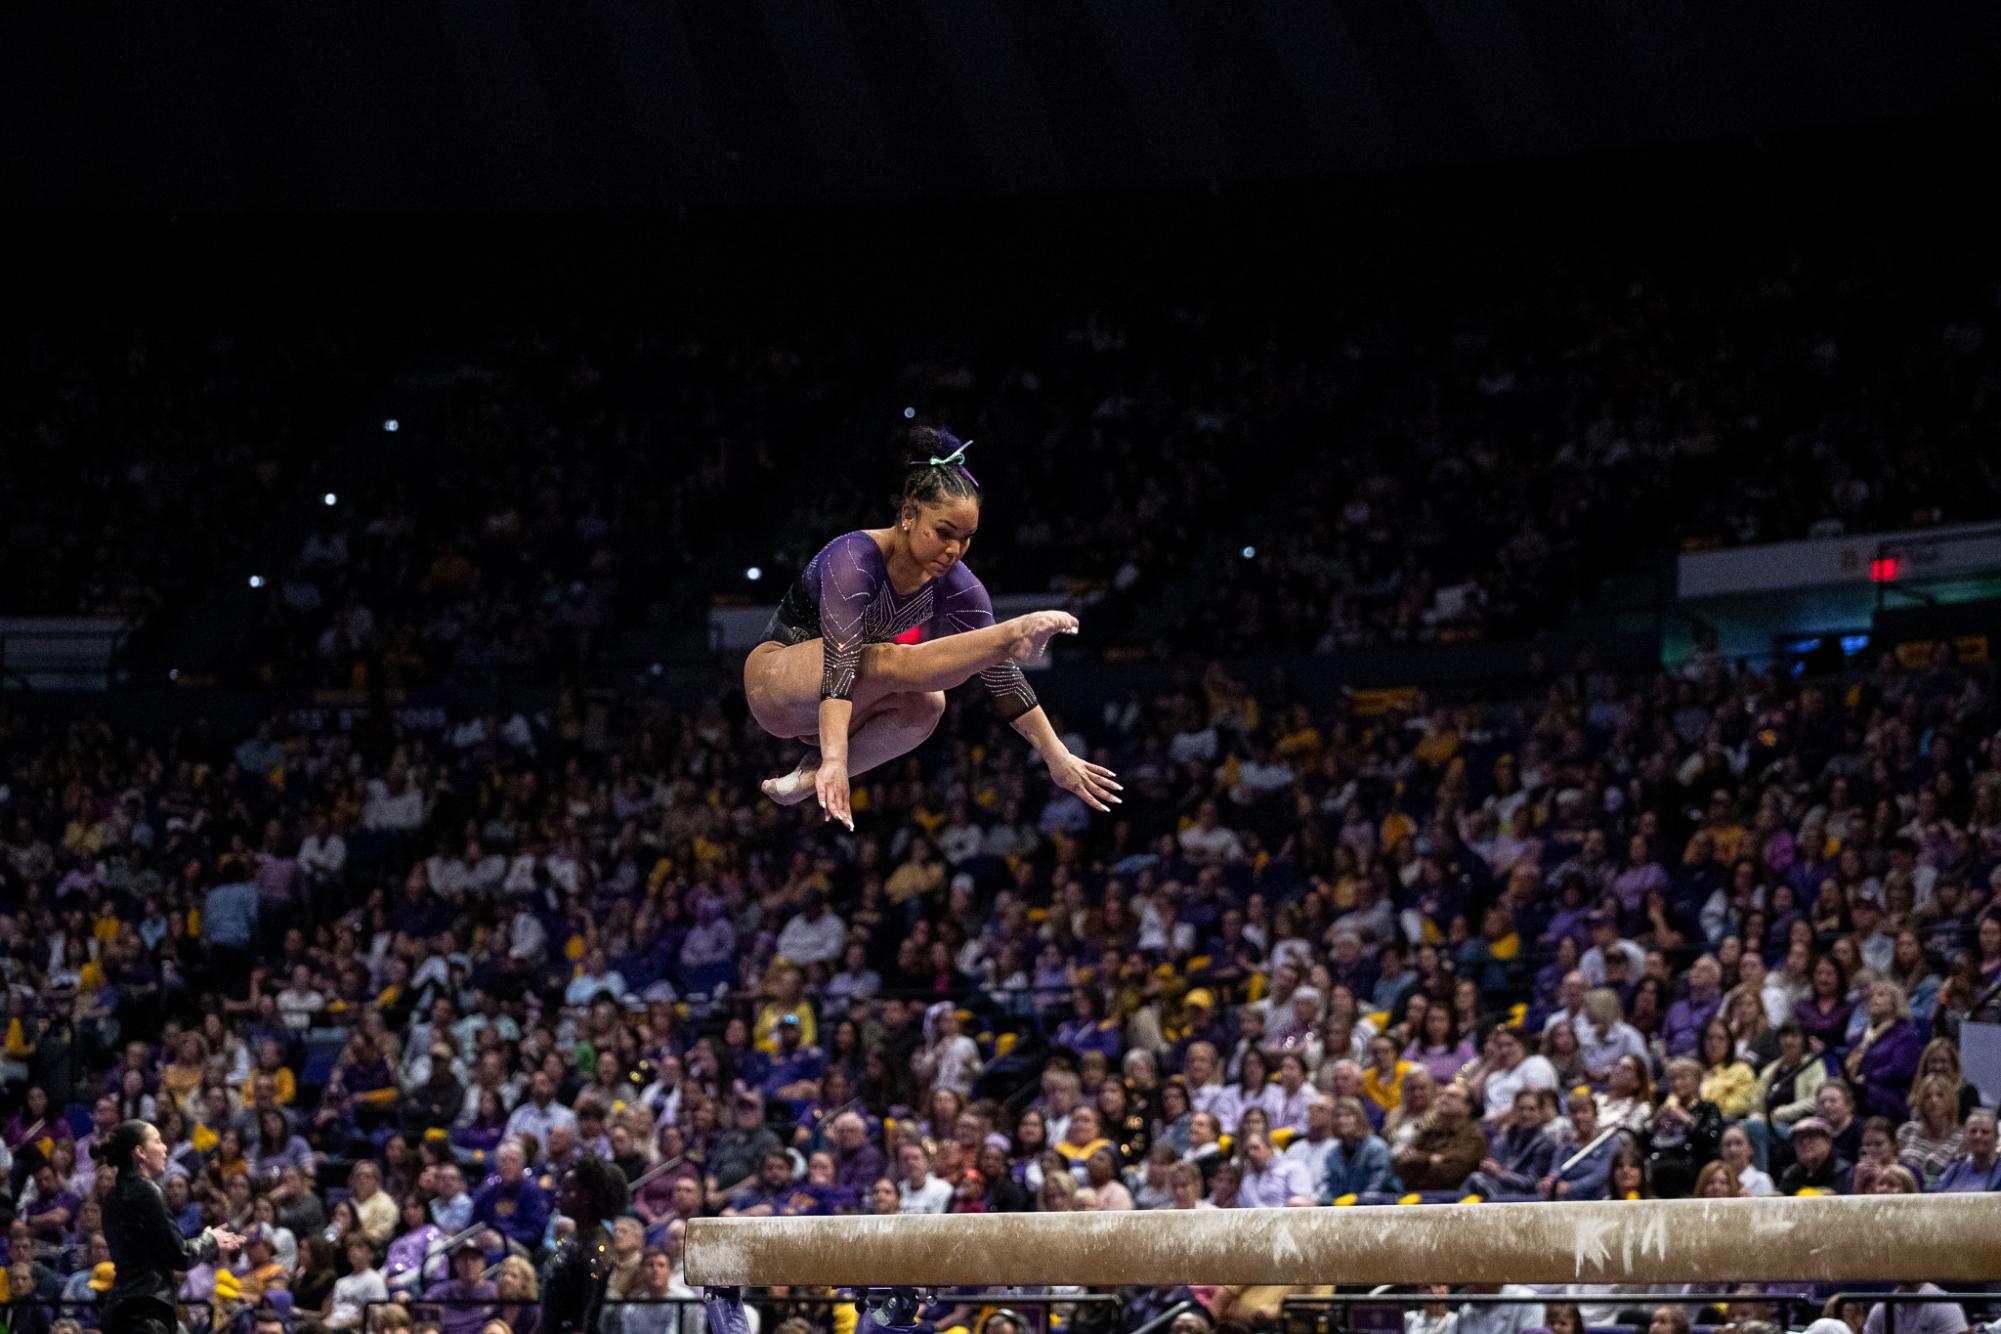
{"x": 147, "y": 1249}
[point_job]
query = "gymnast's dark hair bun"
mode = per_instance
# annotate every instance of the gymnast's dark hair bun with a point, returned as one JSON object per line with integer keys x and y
{"x": 603, "y": 1185}
{"x": 934, "y": 466}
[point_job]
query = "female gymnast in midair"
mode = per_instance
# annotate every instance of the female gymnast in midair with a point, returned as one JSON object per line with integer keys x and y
{"x": 829, "y": 673}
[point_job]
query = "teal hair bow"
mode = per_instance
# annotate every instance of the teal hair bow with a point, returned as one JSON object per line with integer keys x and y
{"x": 957, "y": 458}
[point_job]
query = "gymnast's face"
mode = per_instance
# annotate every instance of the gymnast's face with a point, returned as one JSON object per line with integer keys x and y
{"x": 937, "y": 536}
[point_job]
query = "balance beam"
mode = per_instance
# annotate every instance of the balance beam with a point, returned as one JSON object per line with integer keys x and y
{"x": 1829, "y": 1238}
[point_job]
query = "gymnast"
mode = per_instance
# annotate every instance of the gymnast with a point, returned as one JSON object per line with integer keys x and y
{"x": 574, "y": 1281}
{"x": 832, "y": 672}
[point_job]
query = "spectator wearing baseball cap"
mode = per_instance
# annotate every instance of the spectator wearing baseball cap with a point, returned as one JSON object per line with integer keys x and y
{"x": 740, "y": 1150}
{"x": 795, "y": 1070}
{"x": 1815, "y": 1166}
{"x": 464, "y": 1297}
{"x": 261, "y": 1273}
{"x": 1198, "y": 1025}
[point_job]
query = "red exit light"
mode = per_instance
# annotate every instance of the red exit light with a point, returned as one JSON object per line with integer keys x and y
{"x": 1883, "y": 570}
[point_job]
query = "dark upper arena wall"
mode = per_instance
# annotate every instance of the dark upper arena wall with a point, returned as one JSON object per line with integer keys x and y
{"x": 503, "y": 104}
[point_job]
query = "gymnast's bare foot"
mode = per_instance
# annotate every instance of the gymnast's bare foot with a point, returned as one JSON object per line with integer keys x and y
{"x": 1034, "y": 631}
{"x": 793, "y": 788}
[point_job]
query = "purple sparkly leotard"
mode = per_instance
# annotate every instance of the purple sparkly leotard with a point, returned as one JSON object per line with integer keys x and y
{"x": 843, "y": 597}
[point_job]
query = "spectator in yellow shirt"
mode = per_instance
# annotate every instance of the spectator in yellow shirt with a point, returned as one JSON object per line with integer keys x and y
{"x": 1727, "y": 1080}
{"x": 1383, "y": 1080}
{"x": 921, "y": 875}
{"x": 1081, "y": 1138}
{"x": 787, "y": 988}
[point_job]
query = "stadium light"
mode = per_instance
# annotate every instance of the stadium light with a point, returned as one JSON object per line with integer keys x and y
{"x": 257, "y": 581}
{"x": 392, "y": 426}
{"x": 754, "y": 573}
{"x": 1250, "y": 553}
{"x": 330, "y": 500}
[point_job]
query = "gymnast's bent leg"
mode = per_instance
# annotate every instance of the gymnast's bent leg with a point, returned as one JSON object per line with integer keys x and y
{"x": 898, "y": 725}
{"x": 899, "y": 691}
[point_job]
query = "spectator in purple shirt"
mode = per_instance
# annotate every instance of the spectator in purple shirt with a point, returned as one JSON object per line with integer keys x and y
{"x": 1640, "y": 874}
{"x": 1522, "y": 1154}
{"x": 1823, "y": 1012}
{"x": 461, "y": 1297}
{"x": 1088, "y": 1029}
{"x": 816, "y": 1195}
{"x": 410, "y": 1255}
{"x": 708, "y": 951}
{"x": 1884, "y": 1060}
{"x": 794, "y": 1072}
{"x": 36, "y": 1120}
{"x": 1571, "y": 919}
{"x": 770, "y": 1194}
{"x": 55, "y": 1206}
{"x": 1350, "y": 966}
{"x": 1979, "y": 1168}
{"x": 512, "y": 1203}
{"x": 858, "y": 1164}
{"x": 1270, "y": 1181}
{"x": 1687, "y": 1017}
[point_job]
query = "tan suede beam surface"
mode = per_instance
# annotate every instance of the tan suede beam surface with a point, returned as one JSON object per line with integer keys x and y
{"x": 1841, "y": 1238}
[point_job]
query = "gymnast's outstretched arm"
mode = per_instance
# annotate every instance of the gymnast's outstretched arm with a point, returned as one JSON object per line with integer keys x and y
{"x": 964, "y": 606}
{"x": 1073, "y": 773}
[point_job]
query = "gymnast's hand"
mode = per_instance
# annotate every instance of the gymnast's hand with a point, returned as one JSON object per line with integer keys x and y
{"x": 830, "y": 785}
{"x": 1091, "y": 782}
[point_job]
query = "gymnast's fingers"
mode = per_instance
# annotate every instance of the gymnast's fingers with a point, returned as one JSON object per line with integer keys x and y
{"x": 1090, "y": 793}
{"x": 837, "y": 804}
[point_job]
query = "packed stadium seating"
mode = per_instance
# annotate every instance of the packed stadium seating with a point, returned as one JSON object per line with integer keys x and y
{"x": 380, "y": 973}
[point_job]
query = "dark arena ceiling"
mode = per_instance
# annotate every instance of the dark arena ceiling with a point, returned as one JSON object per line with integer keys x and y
{"x": 502, "y": 104}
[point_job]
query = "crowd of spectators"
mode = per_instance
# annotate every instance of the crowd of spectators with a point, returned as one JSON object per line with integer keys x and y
{"x": 379, "y": 987}
{"x": 147, "y": 464}
{"x": 1462, "y": 455}
{"x": 1495, "y": 468}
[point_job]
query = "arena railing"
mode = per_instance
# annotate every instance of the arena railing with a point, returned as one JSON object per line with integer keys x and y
{"x": 1170, "y": 1315}
{"x": 772, "y": 1306}
{"x": 59, "y": 653}
{"x": 196, "y": 1317}
{"x": 1382, "y": 1312}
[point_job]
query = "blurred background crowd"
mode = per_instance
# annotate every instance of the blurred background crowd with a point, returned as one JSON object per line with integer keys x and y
{"x": 407, "y": 846}
{"x": 1513, "y": 449}
{"x": 1705, "y": 933}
